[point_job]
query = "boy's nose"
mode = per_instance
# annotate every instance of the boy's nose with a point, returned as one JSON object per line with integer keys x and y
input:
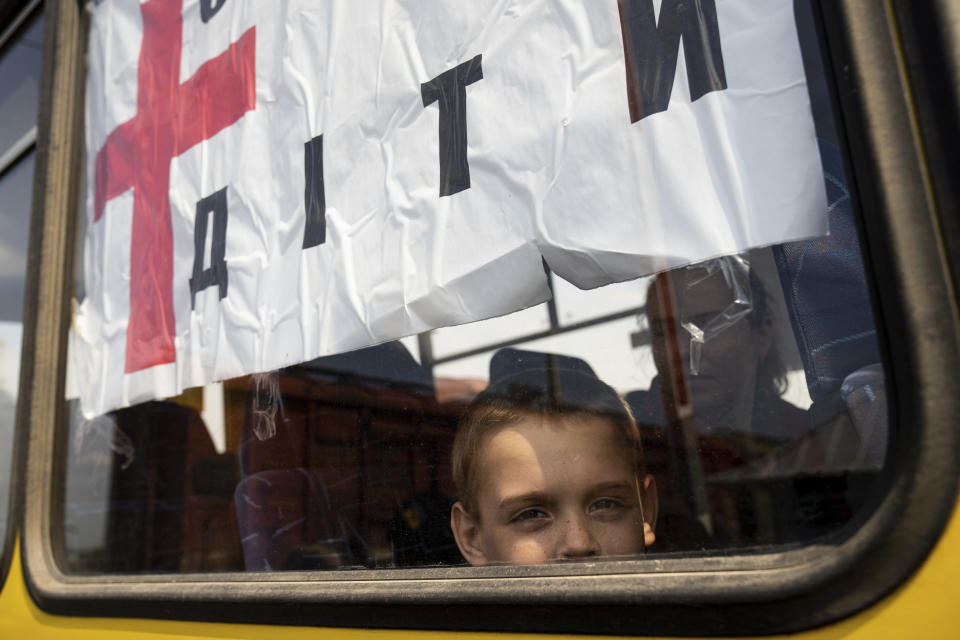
{"x": 578, "y": 539}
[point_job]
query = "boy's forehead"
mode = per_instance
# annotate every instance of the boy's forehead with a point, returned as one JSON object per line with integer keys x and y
{"x": 537, "y": 424}
{"x": 549, "y": 439}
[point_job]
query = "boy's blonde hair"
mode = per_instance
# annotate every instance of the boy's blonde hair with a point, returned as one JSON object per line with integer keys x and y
{"x": 543, "y": 392}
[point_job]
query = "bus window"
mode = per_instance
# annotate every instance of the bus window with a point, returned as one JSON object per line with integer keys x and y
{"x": 753, "y": 384}
{"x": 19, "y": 91}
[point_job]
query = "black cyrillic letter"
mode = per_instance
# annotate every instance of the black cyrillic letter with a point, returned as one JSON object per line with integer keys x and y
{"x": 314, "y": 200}
{"x": 217, "y": 273}
{"x": 209, "y": 8}
{"x": 449, "y": 89}
{"x": 652, "y": 49}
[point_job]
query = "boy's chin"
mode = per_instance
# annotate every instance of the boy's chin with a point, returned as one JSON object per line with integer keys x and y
{"x": 566, "y": 560}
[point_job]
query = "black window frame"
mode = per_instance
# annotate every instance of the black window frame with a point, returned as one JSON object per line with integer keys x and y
{"x": 15, "y": 17}
{"x": 892, "y": 176}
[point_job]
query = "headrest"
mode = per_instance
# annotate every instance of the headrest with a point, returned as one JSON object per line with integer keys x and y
{"x": 384, "y": 364}
{"x": 508, "y": 362}
{"x": 825, "y": 289}
{"x": 548, "y": 382}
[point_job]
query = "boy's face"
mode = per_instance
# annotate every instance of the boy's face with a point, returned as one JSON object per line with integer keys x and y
{"x": 553, "y": 488}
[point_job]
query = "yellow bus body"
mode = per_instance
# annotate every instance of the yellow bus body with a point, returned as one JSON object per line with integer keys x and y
{"x": 923, "y": 607}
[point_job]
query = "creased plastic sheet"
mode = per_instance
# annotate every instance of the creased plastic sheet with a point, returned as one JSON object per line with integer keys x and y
{"x": 736, "y": 275}
{"x": 411, "y": 238}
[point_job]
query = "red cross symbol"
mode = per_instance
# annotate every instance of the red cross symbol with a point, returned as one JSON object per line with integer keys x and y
{"x": 171, "y": 117}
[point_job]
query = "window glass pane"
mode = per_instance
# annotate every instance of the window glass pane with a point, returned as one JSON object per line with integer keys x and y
{"x": 732, "y": 404}
{"x": 20, "y": 85}
{"x": 19, "y": 93}
{"x": 576, "y": 305}
{"x": 15, "y": 189}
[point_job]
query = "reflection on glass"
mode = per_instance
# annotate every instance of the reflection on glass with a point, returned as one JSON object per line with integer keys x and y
{"x": 20, "y": 85}
{"x": 10, "y": 336}
{"x": 575, "y": 305}
{"x": 19, "y": 92}
{"x": 350, "y": 461}
{"x": 449, "y": 341}
{"x": 15, "y": 189}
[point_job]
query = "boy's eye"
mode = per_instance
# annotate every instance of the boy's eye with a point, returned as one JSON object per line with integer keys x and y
{"x": 529, "y": 514}
{"x": 604, "y": 504}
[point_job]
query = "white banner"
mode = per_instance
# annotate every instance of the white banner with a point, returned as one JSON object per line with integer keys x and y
{"x": 273, "y": 182}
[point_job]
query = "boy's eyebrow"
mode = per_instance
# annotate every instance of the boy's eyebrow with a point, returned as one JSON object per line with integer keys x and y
{"x": 533, "y": 497}
{"x": 540, "y": 497}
